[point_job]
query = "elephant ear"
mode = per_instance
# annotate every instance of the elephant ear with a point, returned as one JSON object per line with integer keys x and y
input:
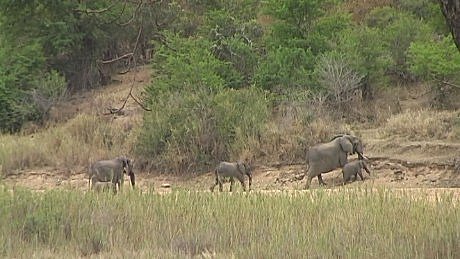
{"x": 346, "y": 145}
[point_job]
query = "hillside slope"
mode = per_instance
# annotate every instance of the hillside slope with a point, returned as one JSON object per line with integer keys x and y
{"x": 395, "y": 161}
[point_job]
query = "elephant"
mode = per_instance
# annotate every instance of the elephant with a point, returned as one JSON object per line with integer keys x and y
{"x": 111, "y": 171}
{"x": 325, "y": 157}
{"x": 354, "y": 168}
{"x": 227, "y": 170}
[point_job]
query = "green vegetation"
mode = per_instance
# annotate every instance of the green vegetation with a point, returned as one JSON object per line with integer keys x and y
{"x": 241, "y": 79}
{"x": 346, "y": 224}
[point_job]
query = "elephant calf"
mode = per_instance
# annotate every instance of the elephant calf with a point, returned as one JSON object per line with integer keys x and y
{"x": 227, "y": 170}
{"x": 354, "y": 168}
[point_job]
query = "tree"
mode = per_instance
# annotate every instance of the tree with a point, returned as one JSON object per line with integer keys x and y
{"x": 451, "y": 11}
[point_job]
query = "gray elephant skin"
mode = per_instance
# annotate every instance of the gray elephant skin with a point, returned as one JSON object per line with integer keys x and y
{"x": 326, "y": 157}
{"x": 227, "y": 171}
{"x": 111, "y": 171}
{"x": 353, "y": 169}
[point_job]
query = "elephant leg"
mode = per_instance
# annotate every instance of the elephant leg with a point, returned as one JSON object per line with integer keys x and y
{"x": 232, "y": 182}
{"x": 221, "y": 187}
{"x": 361, "y": 176}
{"x": 119, "y": 186}
{"x": 93, "y": 181}
{"x": 243, "y": 184}
{"x": 214, "y": 185}
{"x": 309, "y": 179}
{"x": 320, "y": 180}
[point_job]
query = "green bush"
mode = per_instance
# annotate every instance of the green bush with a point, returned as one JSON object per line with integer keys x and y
{"x": 233, "y": 42}
{"x": 398, "y": 29}
{"x": 285, "y": 68}
{"x": 194, "y": 129}
{"x": 197, "y": 117}
{"x": 48, "y": 91}
{"x": 19, "y": 68}
{"x": 325, "y": 32}
{"x": 435, "y": 59}
{"x": 366, "y": 52}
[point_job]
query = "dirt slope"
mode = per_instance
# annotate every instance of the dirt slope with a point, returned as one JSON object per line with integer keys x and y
{"x": 395, "y": 163}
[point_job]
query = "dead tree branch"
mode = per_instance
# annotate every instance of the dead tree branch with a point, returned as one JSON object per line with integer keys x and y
{"x": 130, "y": 94}
{"x": 138, "y": 8}
{"x": 93, "y": 11}
{"x": 118, "y": 58}
{"x": 448, "y": 83}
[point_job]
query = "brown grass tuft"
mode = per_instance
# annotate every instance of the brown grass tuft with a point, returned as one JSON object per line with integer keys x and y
{"x": 422, "y": 124}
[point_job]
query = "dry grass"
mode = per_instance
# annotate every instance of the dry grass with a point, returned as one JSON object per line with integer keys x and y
{"x": 293, "y": 129}
{"x": 423, "y": 124}
{"x": 76, "y": 143}
{"x": 344, "y": 224}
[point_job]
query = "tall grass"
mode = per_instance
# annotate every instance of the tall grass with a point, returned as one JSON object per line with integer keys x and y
{"x": 423, "y": 124}
{"x": 345, "y": 224}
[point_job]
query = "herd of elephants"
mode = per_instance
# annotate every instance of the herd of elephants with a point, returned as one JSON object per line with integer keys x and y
{"x": 321, "y": 158}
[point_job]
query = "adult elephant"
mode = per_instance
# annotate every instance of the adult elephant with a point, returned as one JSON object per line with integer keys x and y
{"x": 111, "y": 171}
{"x": 326, "y": 157}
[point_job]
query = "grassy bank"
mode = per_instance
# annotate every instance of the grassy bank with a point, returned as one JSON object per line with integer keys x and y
{"x": 353, "y": 223}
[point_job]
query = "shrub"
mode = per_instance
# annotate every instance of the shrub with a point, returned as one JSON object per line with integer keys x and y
{"x": 366, "y": 52}
{"x": 49, "y": 90}
{"x": 337, "y": 78}
{"x": 398, "y": 29}
{"x": 193, "y": 129}
{"x": 285, "y": 68}
{"x": 435, "y": 59}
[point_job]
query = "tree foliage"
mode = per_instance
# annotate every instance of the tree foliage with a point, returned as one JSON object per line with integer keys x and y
{"x": 77, "y": 39}
{"x": 196, "y": 112}
{"x": 435, "y": 59}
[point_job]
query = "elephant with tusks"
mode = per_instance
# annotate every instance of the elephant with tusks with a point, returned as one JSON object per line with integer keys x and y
{"x": 326, "y": 157}
{"x": 112, "y": 172}
{"x": 227, "y": 171}
{"x": 353, "y": 169}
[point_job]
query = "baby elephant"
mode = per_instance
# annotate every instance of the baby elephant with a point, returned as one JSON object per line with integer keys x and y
{"x": 226, "y": 170}
{"x": 354, "y": 168}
